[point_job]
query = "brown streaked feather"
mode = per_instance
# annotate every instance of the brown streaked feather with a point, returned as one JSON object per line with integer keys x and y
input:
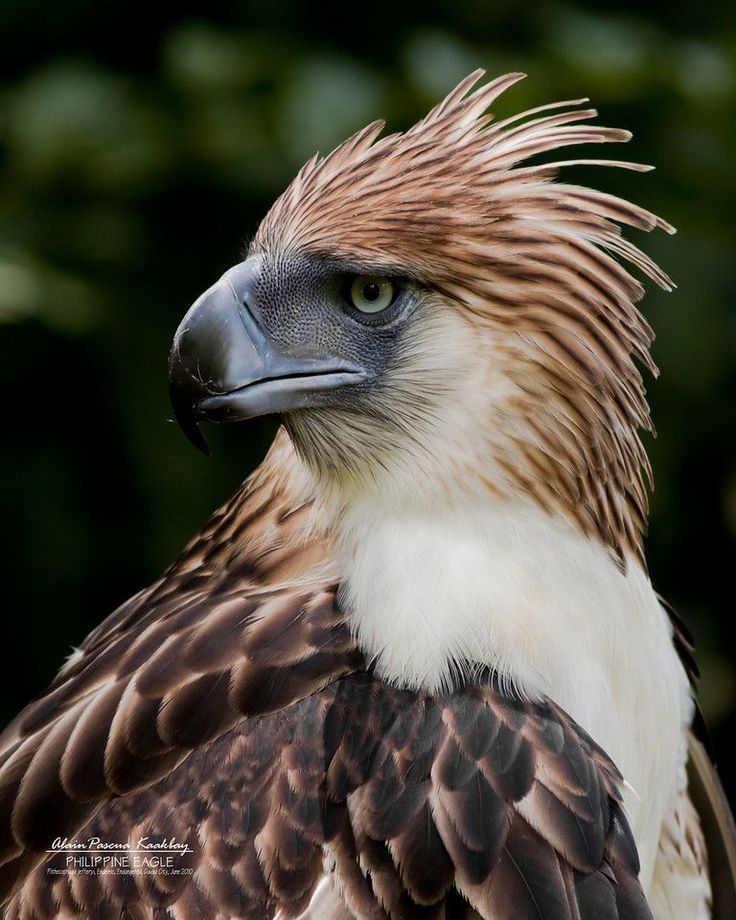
{"x": 704, "y": 789}
{"x": 453, "y": 203}
{"x": 716, "y": 821}
{"x": 416, "y": 798}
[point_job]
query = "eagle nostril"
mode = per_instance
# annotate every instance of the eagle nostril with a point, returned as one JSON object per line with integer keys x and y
{"x": 252, "y": 324}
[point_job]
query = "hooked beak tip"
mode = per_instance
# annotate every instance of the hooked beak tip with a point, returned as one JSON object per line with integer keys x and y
{"x": 194, "y": 435}
{"x": 184, "y": 416}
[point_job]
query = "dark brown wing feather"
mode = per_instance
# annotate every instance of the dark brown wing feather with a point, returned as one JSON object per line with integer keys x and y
{"x": 137, "y": 726}
{"x": 422, "y": 806}
{"x": 244, "y": 623}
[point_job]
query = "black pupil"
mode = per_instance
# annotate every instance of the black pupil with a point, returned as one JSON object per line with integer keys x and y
{"x": 371, "y": 290}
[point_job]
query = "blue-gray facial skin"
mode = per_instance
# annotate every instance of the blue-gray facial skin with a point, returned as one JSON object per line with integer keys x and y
{"x": 280, "y": 335}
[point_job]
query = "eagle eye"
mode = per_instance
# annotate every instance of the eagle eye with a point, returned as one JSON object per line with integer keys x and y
{"x": 371, "y": 293}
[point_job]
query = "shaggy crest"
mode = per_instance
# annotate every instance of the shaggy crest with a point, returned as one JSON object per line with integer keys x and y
{"x": 453, "y": 204}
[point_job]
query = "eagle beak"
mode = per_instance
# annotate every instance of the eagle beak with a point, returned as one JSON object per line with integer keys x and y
{"x": 224, "y": 367}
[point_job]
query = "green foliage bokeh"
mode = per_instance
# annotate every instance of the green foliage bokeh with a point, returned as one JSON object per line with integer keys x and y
{"x": 139, "y": 150}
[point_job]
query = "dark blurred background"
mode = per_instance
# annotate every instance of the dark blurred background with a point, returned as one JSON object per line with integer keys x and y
{"x": 138, "y": 152}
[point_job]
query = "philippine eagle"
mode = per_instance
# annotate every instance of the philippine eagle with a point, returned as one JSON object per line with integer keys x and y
{"x": 415, "y": 667}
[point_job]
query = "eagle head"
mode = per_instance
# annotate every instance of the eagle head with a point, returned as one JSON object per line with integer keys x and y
{"x": 432, "y": 313}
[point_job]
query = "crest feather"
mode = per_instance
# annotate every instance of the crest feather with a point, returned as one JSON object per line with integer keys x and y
{"x": 454, "y": 204}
